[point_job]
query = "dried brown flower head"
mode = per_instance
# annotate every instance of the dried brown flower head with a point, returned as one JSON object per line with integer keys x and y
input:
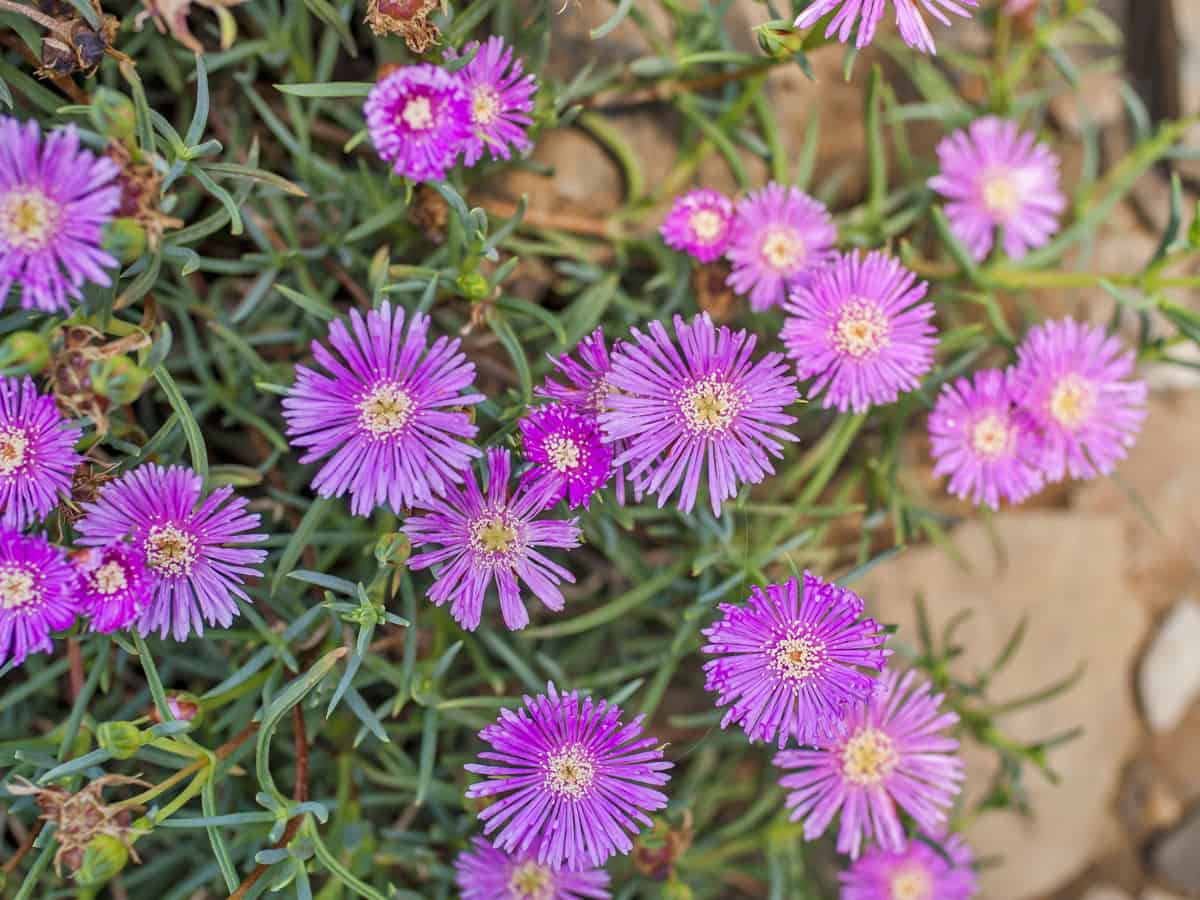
{"x": 73, "y": 45}
{"x": 713, "y": 295}
{"x": 172, "y": 16}
{"x": 141, "y": 194}
{"x": 70, "y": 369}
{"x": 407, "y": 18}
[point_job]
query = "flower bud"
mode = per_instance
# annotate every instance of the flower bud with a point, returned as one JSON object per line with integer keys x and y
{"x": 676, "y": 890}
{"x": 474, "y": 286}
{"x": 112, "y": 114}
{"x": 104, "y": 857}
{"x": 24, "y": 352}
{"x": 121, "y": 739}
{"x": 393, "y": 549}
{"x": 125, "y": 239}
{"x": 119, "y": 379}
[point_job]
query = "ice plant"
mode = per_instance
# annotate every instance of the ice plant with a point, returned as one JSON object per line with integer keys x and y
{"x": 989, "y": 447}
{"x": 387, "y": 411}
{"x": 919, "y": 872}
{"x": 892, "y": 754}
{"x": 37, "y": 453}
{"x": 193, "y": 545}
{"x": 419, "y": 119}
{"x": 491, "y": 535}
{"x": 114, "y": 585}
{"x": 1075, "y": 381}
{"x": 780, "y": 235}
{"x": 501, "y": 99}
{"x": 55, "y": 199}
{"x": 868, "y": 13}
{"x": 697, "y": 406}
{"x": 572, "y": 780}
{"x": 700, "y": 224}
{"x": 485, "y": 873}
{"x": 567, "y": 452}
{"x": 37, "y": 595}
{"x": 996, "y": 176}
{"x": 859, "y": 328}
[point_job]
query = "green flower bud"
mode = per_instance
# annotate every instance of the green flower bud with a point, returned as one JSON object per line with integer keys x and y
{"x": 125, "y": 239}
{"x": 24, "y": 352}
{"x": 112, "y": 114}
{"x": 676, "y": 890}
{"x": 121, "y": 739}
{"x": 474, "y": 286}
{"x": 392, "y": 549}
{"x": 104, "y": 857}
{"x": 119, "y": 378}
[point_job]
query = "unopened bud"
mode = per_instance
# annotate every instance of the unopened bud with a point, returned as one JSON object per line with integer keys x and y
{"x": 121, "y": 739}
{"x": 112, "y": 113}
{"x": 125, "y": 239}
{"x": 393, "y": 549}
{"x": 119, "y": 379}
{"x": 104, "y": 857}
{"x": 24, "y": 352}
{"x": 184, "y": 707}
{"x": 474, "y": 286}
{"x": 676, "y": 890}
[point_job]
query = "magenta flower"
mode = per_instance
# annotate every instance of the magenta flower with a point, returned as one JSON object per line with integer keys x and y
{"x": 780, "y": 236}
{"x": 501, "y": 98}
{"x": 572, "y": 780}
{"x": 192, "y": 544}
{"x": 988, "y": 447}
{"x": 695, "y": 405}
{"x": 1074, "y": 380}
{"x": 388, "y": 415}
{"x": 37, "y": 453}
{"x": 868, "y": 13}
{"x": 37, "y": 595}
{"x": 485, "y": 873}
{"x": 995, "y": 176}
{"x": 567, "y": 453}
{"x": 492, "y": 536}
{"x": 791, "y": 661}
{"x": 419, "y": 118}
{"x": 893, "y": 753}
{"x": 918, "y": 871}
{"x": 114, "y": 585}
{"x": 860, "y": 329}
{"x": 699, "y": 224}
{"x": 55, "y": 199}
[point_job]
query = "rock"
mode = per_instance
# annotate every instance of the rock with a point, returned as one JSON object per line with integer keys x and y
{"x": 584, "y": 179}
{"x": 1066, "y": 573}
{"x": 1175, "y": 859}
{"x": 1169, "y": 680}
{"x": 1146, "y": 802}
{"x": 1153, "y": 893}
{"x": 1105, "y": 892}
{"x": 1096, "y": 104}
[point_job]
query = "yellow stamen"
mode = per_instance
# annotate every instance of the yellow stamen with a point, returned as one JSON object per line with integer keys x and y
{"x": 868, "y": 757}
{"x": 570, "y": 772}
{"x": 862, "y": 330}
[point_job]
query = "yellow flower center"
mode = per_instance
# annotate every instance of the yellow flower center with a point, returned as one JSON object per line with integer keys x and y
{"x": 16, "y": 587}
{"x": 570, "y": 772}
{"x": 782, "y": 249}
{"x": 530, "y": 881}
{"x": 1071, "y": 401}
{"x": 868, "y": 757}
{"x": 989, "y": 437}
{"x": 170, "y": 550}
{"x": 14, "y": 442}
{"x": 710, "y": 405}
{"x": 28, "y": 219}
{"x": 706, "y": 224}
{"x": 110, "y": 578}
{"x": 563, "y": 453}
{"x": 1000, "y": 194}
{"x": 796, "y": 658}
{"x": 385, "y": 411}
{"x": 862, "y": 330}
{"x": 418, "y": 114}
{"x": 494, "y": 534}
{"x": 912, "y": 883}
{"x": 485, "y": 104}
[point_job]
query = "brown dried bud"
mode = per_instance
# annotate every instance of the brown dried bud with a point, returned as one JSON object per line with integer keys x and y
{"x": 657, "y": 851}
{"x": 430, "y": 212}
{"x": 713, "y": 295}
{"x": 141, "y": 194}
{"x": 77, "y": 47}
{"x": 407, "y": 18}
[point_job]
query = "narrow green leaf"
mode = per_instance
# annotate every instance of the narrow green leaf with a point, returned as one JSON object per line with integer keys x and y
{"x": 191, "y": 431}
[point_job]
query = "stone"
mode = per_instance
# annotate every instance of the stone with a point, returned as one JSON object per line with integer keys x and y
{"x": 1096, "y": 104}
{"x": 1066, "y": 572}
{"x": 1105, "y": 892}
{"x": 1154, "y": 893}
{"x": 1169, "y": 679}
{"x": 1175, "y": 859}
{"x": 1147, "y": 802}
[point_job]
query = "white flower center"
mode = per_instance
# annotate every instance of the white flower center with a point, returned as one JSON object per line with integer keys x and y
{"x": 530, "y": 881}
{"x": 14, "y": 443}
{"x": 170, "y": 550}
{"x": 1072, "y": 401}
{"x": 563, "y": 453}
{"x": 862, "y": 329}
{"x": 16, "y": 587}
{"x": 110, "y": 578}
{"x": 797, "y": 657}
{"x": 28, "y": 219}
{"x": 570, "y": 772}
{"x": 706, "y": 224}
{"x": 710, "y": 405}
{"x": 989, "y": 437}
{"x": 1000, "y": 194}
{"x": 418, "y": 113}
{"x": 485, "y": 105}
{"x": 912, "y": 883}
{"x": 385, "y": 411}
{"x": 782, "y": 249}
{"x": 868, "y": 757}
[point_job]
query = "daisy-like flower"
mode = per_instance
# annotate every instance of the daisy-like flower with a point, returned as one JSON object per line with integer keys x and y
{"x": 388, "y": 413}
{"x": 859, "y": 327}
{"x": 193, "y": 545}
{"x": 485, "y": 873}
{"x": 572, "y": 779}
{"x": 699, "y": 224}
{"x": 501, "y": 98}
{"x": 488, "y": 535}
{"x": 919, "y": 872}
{"x": 37, "y": 594}
{"x": 988, "y": 447}
{"x": 114, "y": 585}
{"x": 700, "y": 405}
{"x": 419, "y": 119}
{"x": 1074, "y": 380}
{"x": 868, "y": 13}
{"x": 37, "y": 453}
{"x": 567, "y": 451}
{"x": 780, "y": 235}
{"x": 996, "y": 176}
{"x": 893, "y": 753}
{"x": 790, "y": 662}
{"x": 55, "y": 199}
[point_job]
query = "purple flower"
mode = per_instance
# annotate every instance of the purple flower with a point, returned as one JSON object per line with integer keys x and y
{"x": 492, "y": 536}
{"x": 37, "y": 595}
{"x": 567, "y": 452}
{"x": 387, "y": 414}
{"x": 859, "y": 327}
{"x": 988, "y": 447}
{"x": 1073, "y": 379}
{"x": 780, "y": 236}
{"x": 699, "y": 224}
{"x": 912, "y": 25}
{"x": 995, "y": 176}
{"x": 55, "y": 200}
{"x": 893, "y": 753}
{"x": 114, "y": 585}
{"x": 485, "y": 873}
{"x": 700, "y": 405}
{"x": 192, "y": 545}
{"x": 790, "y": 662}
{"x": 572, "y": 779}
{"x": 918, "y": 871}
{"x": 501, "y": 98}
{"x": 37, "y": 453}
{"x": 419, "y": 118}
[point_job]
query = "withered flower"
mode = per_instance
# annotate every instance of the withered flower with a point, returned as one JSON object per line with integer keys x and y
{"x": 172, "y": 16}
{"x": 407, "y": 18}
{"x": 141, "y": 194}
{"x": 71, "y": 369}
{"x": 72, "y": 45}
